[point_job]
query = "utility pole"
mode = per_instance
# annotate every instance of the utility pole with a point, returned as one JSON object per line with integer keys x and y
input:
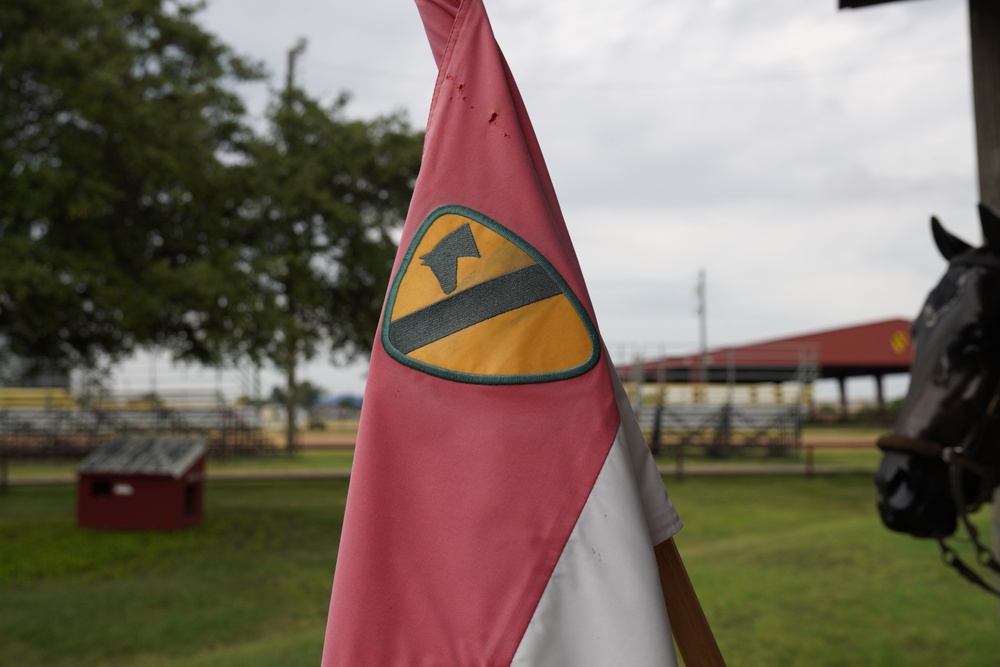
{"x": 702, "y": 326}
{"x": 293, "y": 56}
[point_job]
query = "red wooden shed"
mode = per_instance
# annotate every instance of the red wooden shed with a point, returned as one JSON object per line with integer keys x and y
{"x": 143, "y": 483}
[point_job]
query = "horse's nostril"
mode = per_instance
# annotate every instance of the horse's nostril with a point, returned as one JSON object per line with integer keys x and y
{"x": 895, "y": 481}
{"x": 901, "y": 489}
{"x": 894, "y": 488}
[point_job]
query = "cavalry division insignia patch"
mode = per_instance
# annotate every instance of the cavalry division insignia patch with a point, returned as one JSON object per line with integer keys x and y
{"x": 473, "y": 302}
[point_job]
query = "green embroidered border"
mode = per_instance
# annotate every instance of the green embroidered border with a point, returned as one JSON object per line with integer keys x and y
{"x": 479, "y": 378}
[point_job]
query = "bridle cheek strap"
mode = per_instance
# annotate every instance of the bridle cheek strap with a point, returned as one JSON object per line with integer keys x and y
{"x": 958, "y": 462}
{"x": 955, "y": 457}
{"x": 912, "y": 446}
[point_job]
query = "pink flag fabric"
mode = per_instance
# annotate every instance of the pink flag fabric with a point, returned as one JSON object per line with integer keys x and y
{"x": 503, "y": 505}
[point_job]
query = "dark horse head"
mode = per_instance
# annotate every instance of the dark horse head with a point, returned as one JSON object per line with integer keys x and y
{"x": 941, "y": 460}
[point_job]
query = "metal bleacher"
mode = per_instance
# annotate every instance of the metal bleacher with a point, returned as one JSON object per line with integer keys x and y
{"x": 50, "y": 422}
{"x": 730, "y": 403}
{"x": 723, "y": 430}
{"x": 722, "y": 419}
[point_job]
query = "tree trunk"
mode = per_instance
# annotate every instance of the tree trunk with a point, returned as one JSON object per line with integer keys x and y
{"x": 290, "y": 406}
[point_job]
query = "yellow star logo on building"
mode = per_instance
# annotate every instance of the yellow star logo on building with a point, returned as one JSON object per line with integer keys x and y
{"x": 899, "y": 341}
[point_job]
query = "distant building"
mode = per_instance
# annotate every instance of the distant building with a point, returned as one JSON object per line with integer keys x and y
{"x": 143, "y": 483}
{"x": 274, "y": 416}
{"x": 338, "y": 407}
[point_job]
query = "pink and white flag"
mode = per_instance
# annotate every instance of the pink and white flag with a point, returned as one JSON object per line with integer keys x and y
{"x": 503, "y": 505}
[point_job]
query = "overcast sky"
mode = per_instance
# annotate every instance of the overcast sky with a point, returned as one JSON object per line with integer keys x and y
{"x": 793, "y": 151}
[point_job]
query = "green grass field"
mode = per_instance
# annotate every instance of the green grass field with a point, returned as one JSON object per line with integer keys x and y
{"x": 316, "y": 459}
{"x": 801, "y": 572}
{"x": 305, "y": 460}
{"x": 791, "y": 571}
{"x": 329, "y": 460}
{"x": 248, "y": 587}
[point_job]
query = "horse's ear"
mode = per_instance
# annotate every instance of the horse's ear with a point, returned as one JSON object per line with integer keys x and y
{"x": 948, "y": 245}
{"x": 990, "y": 221}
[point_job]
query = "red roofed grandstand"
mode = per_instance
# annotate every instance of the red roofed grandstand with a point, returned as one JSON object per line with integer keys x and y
{"x": 876, "y": 350}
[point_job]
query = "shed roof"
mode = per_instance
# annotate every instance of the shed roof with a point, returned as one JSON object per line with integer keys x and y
{"x": 171, "y": 456}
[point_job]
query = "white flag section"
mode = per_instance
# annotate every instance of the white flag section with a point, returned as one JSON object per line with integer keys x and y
{"x": 603, "y": 605}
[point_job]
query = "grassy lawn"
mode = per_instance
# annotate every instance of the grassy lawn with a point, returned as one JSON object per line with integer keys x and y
{"x": 320, "y": 460}
{"x": 856, "y": 459}
{"x": 791, "y": 571}
{"x": 845, "y": 431}
{"x": 317, "y": 460}
{"x": 801, "y": 572}
{"x": 302, "y": 460}
{"x": 248, "y": 587}
{"x": 340, "y": 458}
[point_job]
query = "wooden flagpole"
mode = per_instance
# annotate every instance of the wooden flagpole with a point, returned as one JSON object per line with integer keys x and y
{"x": 692, "y": 633}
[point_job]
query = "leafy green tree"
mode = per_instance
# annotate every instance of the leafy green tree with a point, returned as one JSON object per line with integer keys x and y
{"x": 116, "y": 196}
{"x": 327, "y": 192}
{"x": 137, "y": 207}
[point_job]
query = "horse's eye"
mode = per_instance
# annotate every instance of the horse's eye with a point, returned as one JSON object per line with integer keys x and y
{"x": 968, "y": 346}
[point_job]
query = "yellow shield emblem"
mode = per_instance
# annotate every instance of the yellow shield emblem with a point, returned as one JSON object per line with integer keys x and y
{"x": 473, "y": 302}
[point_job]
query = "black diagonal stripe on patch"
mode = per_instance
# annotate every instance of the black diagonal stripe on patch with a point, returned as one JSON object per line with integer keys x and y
{"x": 471, "y": 306}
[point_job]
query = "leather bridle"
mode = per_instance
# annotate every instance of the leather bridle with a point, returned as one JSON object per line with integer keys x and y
{"x": 959, "y": 461}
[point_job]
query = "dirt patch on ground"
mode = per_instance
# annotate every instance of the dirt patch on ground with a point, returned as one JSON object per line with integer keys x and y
{"x": 847, "y": 440}
{"x": 320, "y": 439}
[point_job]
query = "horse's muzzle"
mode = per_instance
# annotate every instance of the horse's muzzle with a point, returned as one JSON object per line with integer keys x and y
{"x": 914, "y": 495}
